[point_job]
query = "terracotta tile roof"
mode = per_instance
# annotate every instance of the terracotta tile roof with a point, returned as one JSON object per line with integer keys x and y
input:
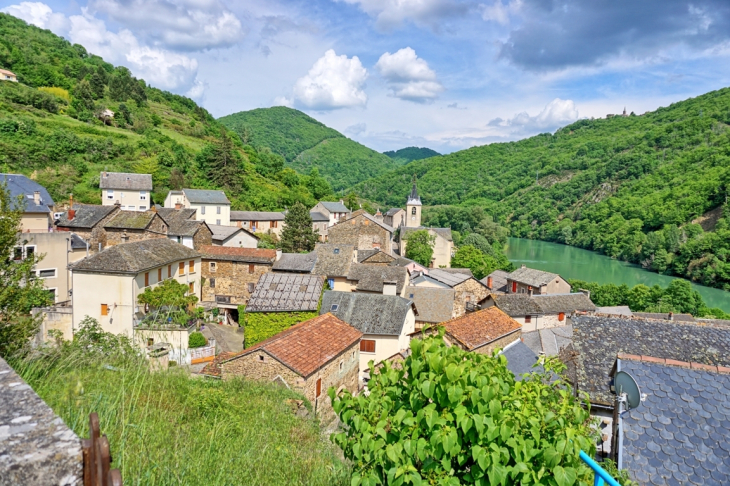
{"x": 476, "y": 329}
{"x": 309, "y": 345}
{"x": 214, "y": 367}
{"x": 253, "y": 255}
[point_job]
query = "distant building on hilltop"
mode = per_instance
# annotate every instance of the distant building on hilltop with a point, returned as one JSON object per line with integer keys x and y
{"x": 6, "y": 75}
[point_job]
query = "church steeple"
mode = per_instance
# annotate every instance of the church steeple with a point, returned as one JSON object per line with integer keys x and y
{"x": 413, "y": 207}
{"x": 413, "y": 198}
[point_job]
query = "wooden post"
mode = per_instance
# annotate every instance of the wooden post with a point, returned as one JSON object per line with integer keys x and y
{"x": 97, "y": 458}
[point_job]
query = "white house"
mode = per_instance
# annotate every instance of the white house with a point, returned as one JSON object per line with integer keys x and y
{"x": 212, "y": 206}
{"x": 334, "y": 211}
{"x": 130, "y": 191}
{"x": 233, "y": 236}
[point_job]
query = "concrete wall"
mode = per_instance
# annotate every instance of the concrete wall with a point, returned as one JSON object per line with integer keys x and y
{"x": 231, "y": 279}
{"x": 35, "y": 222}
{"x": 129, "y": 200}
{"x": 176, "y": 338}
{"x": 57, "y": 254}
{"x": 211, "y": 215}
{"x": 240, "y": 240}
{"x": 54, "y": 319}
{"x": 385, "y": 347}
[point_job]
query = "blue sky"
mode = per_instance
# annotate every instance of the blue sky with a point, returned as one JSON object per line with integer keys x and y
{"x": 447, "y": 74}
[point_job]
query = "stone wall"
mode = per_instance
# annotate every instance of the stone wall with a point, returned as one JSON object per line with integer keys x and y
{"x": 231, "y": 279}
{"x": 360, "y": 232}
{"x": 202, "y": 237}
{"x": 472, "y": 289}
{"x": 156, "y": 229}
{"x": 94, "y": 235}
{"x": 55, "y": 318}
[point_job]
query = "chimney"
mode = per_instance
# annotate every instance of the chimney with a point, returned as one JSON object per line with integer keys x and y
{"x": 37, "y": 198}
{"x": 71, "y": 203}
{"x": 587, "y": 292}
{"x": 71, "y": 214}
{"x": 278, "y": 254}
{"x": 490, "y": 282}
{"x": 178, "y": 205}
{"x": 529, "y": 291}
{"x": 671, "y": 316}
{"x": 389, "y": 288}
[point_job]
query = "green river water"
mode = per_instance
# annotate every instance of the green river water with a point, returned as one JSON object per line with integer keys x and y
{"x": 576, "y": 263}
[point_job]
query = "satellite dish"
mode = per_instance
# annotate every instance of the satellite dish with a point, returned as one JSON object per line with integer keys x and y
{"x": 625, "y": 383}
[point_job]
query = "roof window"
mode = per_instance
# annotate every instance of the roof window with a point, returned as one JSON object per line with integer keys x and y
{"x": 334, "y": 307}
{"x": 410, "y": 296}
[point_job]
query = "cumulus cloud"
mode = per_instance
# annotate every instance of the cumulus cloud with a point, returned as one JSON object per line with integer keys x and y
{"x": 558, "y": 34}
{"x": 425, "y": 13}
{"x": 409, "y": 76}
{"x": 499, "y": 12}
{"x": 178, "y": 24}
{"x": 557, "y": 113}
{"x": 38, "y": 14}
{"x": 333, "y": 82}
{"x": 356, "y": 129}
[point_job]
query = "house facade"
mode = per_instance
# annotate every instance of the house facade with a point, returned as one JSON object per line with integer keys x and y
{"x": 536, "y": 312}
{"x": 184, "y": 228}
{"x": 320, "y": 224}
{"x": 482, "y": 331}
{"x": 443, "y": 247}
{"x": 233, "y": 236}
{"x": 362, "y": 231}
{"x": 258, "y": 221}
{"x": 37, "y": 203}
{"x": 6, "y": 75}
{"x": 468, "y": 291}
{"x": 129, "y": 226}
{"x": 333, "y": 211}
{"x": 395, "y": 217}
{"x": 535, "y": 282}
{"x": 212, "y": 206}
{"x": 87, "y": 221}
{"x": 132, "y": 192}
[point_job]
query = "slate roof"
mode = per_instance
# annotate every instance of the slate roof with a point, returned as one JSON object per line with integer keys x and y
{"x": 555, "y": 303}
{"x": 280, "y": 292}
{"x": 334, "y": 207}
{"x": 365, "y": 254}
{"x": 370, "y": 278}
{"x": 185, "y": 228}
{"x": 77, "y": 242}
{"x": 172, "y": 215}
{"x": 333, "y": 260}
{"x": 318, "y": 217}
{"x": 222, "y": 233}
{"x": 665, "y": 316}
{"x": 296, "y": 262}
{"x": 679, "y": 434}
{"x": 476, "y": 329}
{"x": 462, "y": 271}
{"x": 520, "y": 359}
{"x": 443, "y": 232}
{"x": 530, "y": 276}
{"x": 600, "y": 339}
{"x": 20, "y": 185}
{"x": 132, "y": 220}
{"x": 306, "y": 347}
{"x": 87, "y": 216}
{"x": 374, "y": 256}
{"x": 205, "y": 196}
{"x": 616, "y": 310}
{"x": 257, "y": 216}
{"x": 369, "y": 313}
{"x": 549, "y": 340}
{"x": 234, "y": 254}
{"x": 393, "y": 211}
{"x": 434, "y": 305}
{"x": 448, "y": 278}
{"x": 499, "y": 281}
{"x": 125, "y": 181}
{"x": 133, "y": 258}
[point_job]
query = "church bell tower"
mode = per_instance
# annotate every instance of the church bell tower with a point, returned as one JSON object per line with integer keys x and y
{"x": 413, "y": 207}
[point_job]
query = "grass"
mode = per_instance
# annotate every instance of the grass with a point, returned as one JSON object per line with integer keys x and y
{"x": 168, "y": 428}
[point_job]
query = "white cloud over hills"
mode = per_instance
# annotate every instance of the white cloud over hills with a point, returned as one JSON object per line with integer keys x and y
{"x": 409, "y": 76}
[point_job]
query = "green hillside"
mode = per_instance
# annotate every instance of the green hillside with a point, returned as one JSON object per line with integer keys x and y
{"x": 306, "y": 143}
{"x": 53, "y": 128}
{"x": 625, "y": 186}
{"x": 409, "y": 154}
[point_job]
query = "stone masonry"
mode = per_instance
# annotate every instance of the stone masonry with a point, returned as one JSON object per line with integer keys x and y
{"x": 470, "y": 290}
{"x": 361, "y": 232}
{"x": 156, "y": 229}
{"x": 203, "y": 237}
{"x": 231, "y": 279}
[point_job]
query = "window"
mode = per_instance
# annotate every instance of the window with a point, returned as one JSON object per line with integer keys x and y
{"x": 191, "y": 285}
{"x": 191, "y": 266}
{"x": 251, "y": 288}
{"x": 159, "y": 274}
{"x": 217, "y": 210}
{"x": 251, "y": 268}
{"x": 366, "y": 222}
{"x": 367, "y": 346}
{"x": 142, "y": 196}
{"x": 319, "y": 388}
{"x": 561, "y": 316}
{"x": 342, "y": 365}
{"x": 331, "y": 283}
{"x": 182, "y": 268}
{"x": 143, "y": 208}
{"x": 514, "y": 287}
{"x": 150, "y": 341}
{"x": 29, "y": 251}
{"x": 52, "y": 294}
{"x": 202, "y": 209}
{"x": 18, "y": 253}
{"x": 261, "y": 357}
{"x": 47, "y": 273}
{"x": 337, "y": 251}
{"x": 147, "y": 279}
{"x": 218, "y": 222}
{"x": 274, "y": 224}
{"x": 528, "y": 319}
{"x": 353, "y": 355}
{"x": 169, "y": 271}
{"x": 212, "y": 283}
{"x": 334, "y": 307}
{"x": 413, "y": 211}
{"x": 410, "y": 296}
{"x": 104, "y": 310}
{"x": 212, "y": 267}
{"x": 110, "y": 194}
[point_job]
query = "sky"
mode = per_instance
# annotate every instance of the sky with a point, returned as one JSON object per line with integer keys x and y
{"x": 444, "y": 74}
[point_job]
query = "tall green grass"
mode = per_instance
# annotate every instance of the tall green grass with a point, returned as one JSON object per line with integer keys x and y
{"x": 167, "y": 428}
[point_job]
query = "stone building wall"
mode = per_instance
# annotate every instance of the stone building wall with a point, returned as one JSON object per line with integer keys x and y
{"x": 156, "y": 229}
{"x": 202, "y": 237}
{"x": 94, "y": 235}
{"x": 231, "y": 278}
{"x": 360, "y": 232}
{"x": 55, "y": 318}
{"x": 472, "y": 289}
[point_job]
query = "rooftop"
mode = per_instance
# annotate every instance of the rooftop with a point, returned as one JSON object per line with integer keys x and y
{"x": 476, "y": 329}
{"x": 133, "y": 220}
{"x": 87, "y": 216}
{"x": 434, "y": 305}
{"x": 257, "y": 216}
{"x": 524, "y": 304}
{"x": 205, "y": 196}
{"x": 334, "y": 207}
{"x": 369, "y": 217}
{"x": 296, "y": 262}
{"x": 449, "y": 278}
{"x": 443, "y": 232}
{"x": 233, "y": 254}
{"x": 393, "y": 211}
{"x": 306, "y": 347}
{"x": 532, "y": 277}
{"x": 499, "y": 281}
{"x": 370, "y": 278}
{"x": 172, "y": 216}
{"x": 222, "y": 233}
{"x": 281, "y": 292}
{"x": 333, "y": 260}
{"x": 549, "y": 340}
{"x": 125, "y": 181}
{"x": 133, "y": 258}
{"x": 21, "y": 186}
{"x": 370, "y": 313}
{"x": 318, "y": 217}
{"x": 520, "y": 359}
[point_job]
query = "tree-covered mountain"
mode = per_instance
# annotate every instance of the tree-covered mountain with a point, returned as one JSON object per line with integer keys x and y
{"x": 307, "y": 144}
{"x": 629, "y": 187}
{"x": 55, "y": 127}
{"x": 409, "y": 154}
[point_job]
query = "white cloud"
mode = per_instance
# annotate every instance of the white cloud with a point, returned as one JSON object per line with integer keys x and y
{"x": 555, "y": 114}
{"x": 392, "y": 13}
{"x": 179, "y": 24}
{"x": 332, "y": 82}
{"x": 409, "y": 76}
{"x": 38, "y": 14}
{"x": 499, "y": 12}
{"x": 356, "y": 129}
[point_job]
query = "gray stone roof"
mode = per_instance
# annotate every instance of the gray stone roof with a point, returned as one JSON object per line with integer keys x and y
{"x": 77, "y": 242}
{"x": 516, "y": 304}
{"x": 448, "y": 278}
{"x": 172, "y": 215}
{"x": 665, "y": 316}
{"x": 333, "y": 260}
{"x": 679, "y": 434}
{"x": 280, "y": 292}
{"x": 616, "y": 310}
{"x": 125, "y": 181}
{"x": 20, "y": 186}
{"x": 520, "y": 359}
{"x": 462, "y": 271}
{"x": 87, "y": 216}
{"x": 369, "y": 313}
{"x": 257, "y": 216}
{"x": 334, "y": 207}
{"x": 365, "y": 254}
{"x": 133, "y": 258}
{"x": 180, "y": 222}
{"x": 434, "y": 305}
{"x": 205, "y": 196}
{"x": 393, "y": 211}
{"x": 318, "y": 217}
{"x": 549, "y": 340}
{"x": 222, "y": 233}
{"x": 499, "y": 281}
{"x": 131, "y": 220}
{"x": 530, "y": 276}
{"x": 556, "y": 303}
{"x": 370, "y": 278}
{"x": 443, "y": 232}
{"x": 296, "y": 262}
{"x": 600, "y": 339}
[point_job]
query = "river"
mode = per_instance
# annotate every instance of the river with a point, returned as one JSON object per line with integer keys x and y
{"x": 571, "y": 262}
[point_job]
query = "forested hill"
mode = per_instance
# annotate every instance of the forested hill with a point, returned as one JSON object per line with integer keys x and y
{"x": 626, "y": 186}
{"x": 409, "y": 154}
{"x": 53, "y": 128}
{"x": 306, "y": 144}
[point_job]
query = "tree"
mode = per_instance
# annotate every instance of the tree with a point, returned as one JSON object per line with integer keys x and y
{"x": 419, "y": 247}
{"x": 318, "y": 186}
{"x": 472, "y": 258}
{"x": 447, "y": 416}
{"x": 351, "y": 202}
{"x": 20, "y": 290}
{"x": 83, "y": 97}
{"x": 169, "y": 294}
{"x": 222, "y": 163}
{"x": 298, "y": 235}
{"x": 479, "y": 242}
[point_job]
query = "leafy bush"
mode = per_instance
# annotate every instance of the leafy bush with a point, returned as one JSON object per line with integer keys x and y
{"x": 196, "y": 340}
{"x": 419, "y": 247}
{"x": 262, "y": 325}
{"x": 450, "y": 417}
{"x": 57, "y": 92}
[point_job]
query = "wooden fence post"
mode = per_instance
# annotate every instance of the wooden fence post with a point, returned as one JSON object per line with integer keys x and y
{"x": 97, "y": 458}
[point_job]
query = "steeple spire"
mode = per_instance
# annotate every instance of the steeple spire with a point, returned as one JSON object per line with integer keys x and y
{"x": 413, "y": 198}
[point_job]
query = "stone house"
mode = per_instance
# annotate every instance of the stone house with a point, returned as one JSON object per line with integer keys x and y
{"x": 362, "y": 231}
{"x": 309, "y": 357}
{"x": 37, "y": 203}
{"x": 183, "y": 228}
{"x": 482, "y": 331}
{"x": 87, "y": 221}
{"x": 530, "y": 281}
{"x": 131, "y": 191}
{"x": 129, "y": 226}
{"x": 333, "y": 262}
{"x": 435, "y": 305}
{"x": 375, "y": 257}
{"x": 320, "y": 224}
{"x": 212, "y": 206}
{"x": 233, "y": 236}
{"x": 230, "y": 275}
{"x": 468, "y": 291}
{"x": 377, "y": 279}
{"x": 386, "y": 322}
{"x": 333, "y": 211}
{"x": 395, "y": 217}
{"x": 536, "y": 312}
{"x": 258, "y": 221}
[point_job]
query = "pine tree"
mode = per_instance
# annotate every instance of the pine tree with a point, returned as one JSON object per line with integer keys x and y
{"x": 298, "y": 235}
{"x": 222, "y": 163}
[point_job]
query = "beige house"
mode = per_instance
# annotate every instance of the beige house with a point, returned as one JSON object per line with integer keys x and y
{"x": 320, "y": 224}
{"x": 183, "y": 228}
{"x": 363, "y": 231}
{"x": 443, "y": 248}
{"x": 333, "y": 211}
{"x": 386, "y": 322}
{"x": 395, "y": 217}
{"x": 106, "y": 285}
{"x": 212, "y": 206}
{"x": 530, "y": 281}
{"x": 131, "y": 191}
{"x": 536, "y": 312}
{"x": 6, "y": 75}
{"x": 37, "y": 204}
{"x": 258, "y": 221}
{"x": 233, "y": 236}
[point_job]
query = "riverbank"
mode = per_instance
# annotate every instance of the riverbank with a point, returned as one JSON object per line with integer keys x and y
{"x": 576, "y": 263}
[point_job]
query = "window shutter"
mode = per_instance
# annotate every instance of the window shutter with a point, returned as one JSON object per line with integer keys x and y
{"x": 528, "y": 319}
{"x": 182, "y": 268}
{"x": 367, "y": 345}
{"x": 561, "y": 316}
{"x": 147, "y": 279}
{"x": 169, "y": 271}
{"x": 514, "y": 287}
{"x": 159, "y": 274}
{"x": 192, "y": 266}
{"x": 104, "y": 310}
{"x": 319, "y": 387}
{"x": 251, "y": 268}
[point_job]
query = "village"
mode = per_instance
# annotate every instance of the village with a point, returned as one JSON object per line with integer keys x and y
{"x": 329, "y": 318}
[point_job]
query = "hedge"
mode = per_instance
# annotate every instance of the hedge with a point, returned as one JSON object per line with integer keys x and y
{"x": 260, "y": 326}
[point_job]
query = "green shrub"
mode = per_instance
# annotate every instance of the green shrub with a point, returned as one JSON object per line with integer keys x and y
{"x": 196, "y": 340}
{"x": 262, "y": 325}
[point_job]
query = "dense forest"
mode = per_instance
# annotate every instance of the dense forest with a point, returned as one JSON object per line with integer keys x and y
{"x": 409, "y": 154}
{"x": 72, "y": 115}
{"x": 648, "y": 189}
{"x": 307, "y": 144}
